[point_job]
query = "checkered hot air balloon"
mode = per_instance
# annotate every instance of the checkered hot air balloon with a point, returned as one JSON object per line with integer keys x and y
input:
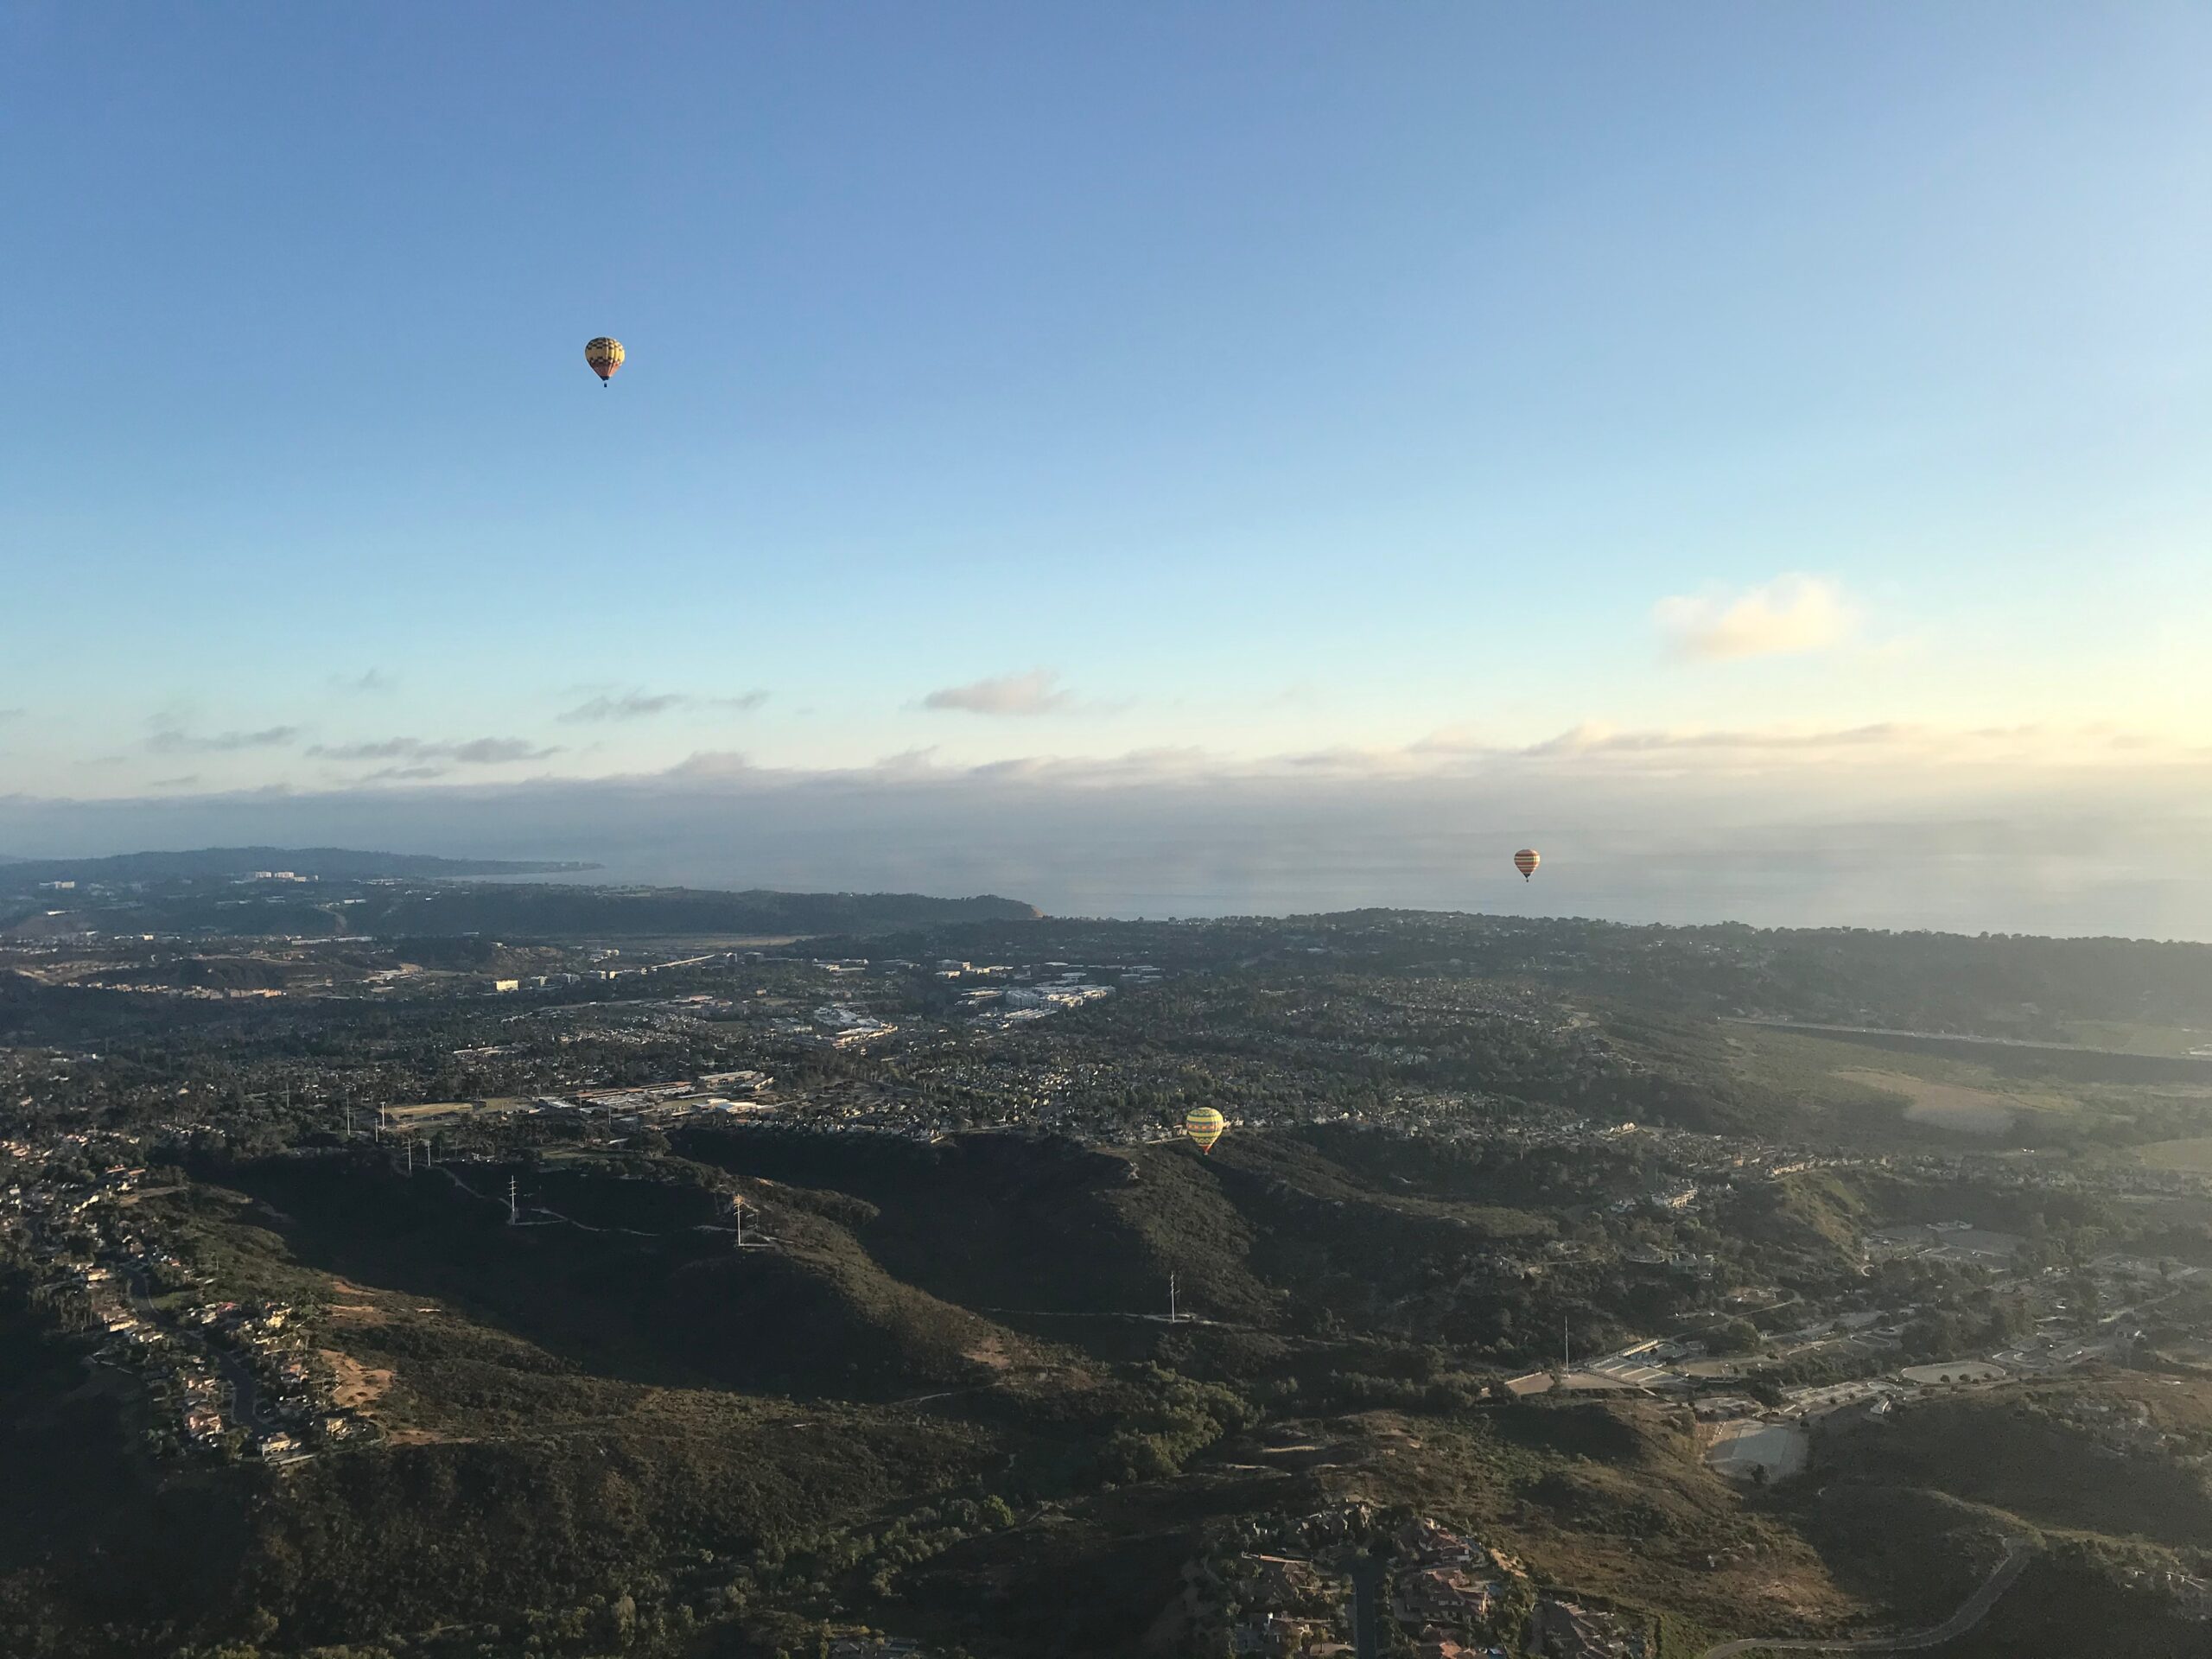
{"x": 604, "y": 356}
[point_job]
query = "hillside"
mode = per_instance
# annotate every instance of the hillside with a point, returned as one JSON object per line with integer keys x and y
{"x": 938, "y": 1394}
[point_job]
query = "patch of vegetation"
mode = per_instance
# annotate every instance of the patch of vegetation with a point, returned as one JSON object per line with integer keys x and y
{"x": 2027, "y": 1452}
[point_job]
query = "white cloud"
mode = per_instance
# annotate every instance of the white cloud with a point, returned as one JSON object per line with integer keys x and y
{"x": 496, "y": 751}
{"x": 176, "y": 742}
{"x": 1036, "y": 692}
{"x": 477, "y": 751}
{"x": 640, "y": 705}
{"x": 1789, "y": 615}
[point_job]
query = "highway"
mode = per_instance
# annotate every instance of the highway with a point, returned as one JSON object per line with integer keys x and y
{"x": 1970, "y": 1612}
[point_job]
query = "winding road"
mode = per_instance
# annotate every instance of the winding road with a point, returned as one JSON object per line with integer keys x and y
{"x": 1972, "y": 1612}
{"x": 245, "y": 1388}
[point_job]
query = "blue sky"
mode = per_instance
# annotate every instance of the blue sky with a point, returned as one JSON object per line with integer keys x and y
{"x": 1260, "y": 382}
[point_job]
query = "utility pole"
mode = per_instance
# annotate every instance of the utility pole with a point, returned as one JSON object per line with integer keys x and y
{"x": 514, "y": 1216}
{"x": 1170, "y": 1298}
{"x": 1565, "y": 1349}
{"x": 737, "y": 1214}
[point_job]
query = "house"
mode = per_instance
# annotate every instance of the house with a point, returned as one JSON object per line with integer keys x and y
{"x": 1442, "y": 1595}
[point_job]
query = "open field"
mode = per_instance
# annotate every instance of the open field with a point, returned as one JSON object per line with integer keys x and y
{"x": 2193, "y": 1152}
{"x": 1946, "y": 1105}
{"x": 1929, "y": 1091}
{"x": 434, "y": 1111}
{"x": 1838, "y": 1090}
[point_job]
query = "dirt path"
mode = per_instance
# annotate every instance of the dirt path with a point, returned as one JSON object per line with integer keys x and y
{"x": 1972, "y": 1612}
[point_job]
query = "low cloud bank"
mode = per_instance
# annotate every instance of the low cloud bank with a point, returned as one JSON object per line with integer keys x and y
{"x": 2027, "y": 830}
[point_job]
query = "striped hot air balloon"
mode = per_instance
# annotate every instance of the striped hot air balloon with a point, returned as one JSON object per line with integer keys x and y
{"x": 1526, "y": 860}
{"x": 1204, "y": 1125}
{"x": 604, "y": 356}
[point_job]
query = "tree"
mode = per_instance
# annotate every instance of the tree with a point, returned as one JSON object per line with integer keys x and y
{"x": 622, "y": 1619}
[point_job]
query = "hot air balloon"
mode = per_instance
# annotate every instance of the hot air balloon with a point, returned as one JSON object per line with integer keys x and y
{"x": 1204, "y": 1125}
{"x": 1526, "y": 860}
{"x": 604, "y": 356}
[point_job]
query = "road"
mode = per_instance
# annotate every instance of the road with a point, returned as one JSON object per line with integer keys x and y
{"x": 1366, "y": 1607}
{"x": 142, "y": 1303}
{"x": 245, "y": 1392}
{"x": 1970, "y": 1612}
{"x": 245, "y": 1389}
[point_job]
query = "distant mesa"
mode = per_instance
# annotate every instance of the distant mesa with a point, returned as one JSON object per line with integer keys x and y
{"x": 422, "y": 896}
{"x": 226, "y": 863}
{"x": 564, "y": 910}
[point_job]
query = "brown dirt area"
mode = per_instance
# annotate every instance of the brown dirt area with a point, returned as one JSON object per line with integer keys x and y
{"x": 358, "y": 1386}
{"x": 991, "y": 1351}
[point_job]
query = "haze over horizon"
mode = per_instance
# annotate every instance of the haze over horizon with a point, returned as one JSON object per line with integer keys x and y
{"x": 1119, "y": 844}
{"x": 1257, "y": 460}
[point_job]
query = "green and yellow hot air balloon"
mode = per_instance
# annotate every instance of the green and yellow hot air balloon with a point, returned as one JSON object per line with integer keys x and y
{"x": 1204, "y": 1125}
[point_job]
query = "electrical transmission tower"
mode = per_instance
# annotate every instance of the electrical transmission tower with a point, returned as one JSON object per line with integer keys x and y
{"x": 514, "y": 1216}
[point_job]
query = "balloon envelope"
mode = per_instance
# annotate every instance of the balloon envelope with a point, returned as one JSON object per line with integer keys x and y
{"x": 604, "y": 356}
{"x": 1526, "y": 860}
{"x": 1204, "y": 1125}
